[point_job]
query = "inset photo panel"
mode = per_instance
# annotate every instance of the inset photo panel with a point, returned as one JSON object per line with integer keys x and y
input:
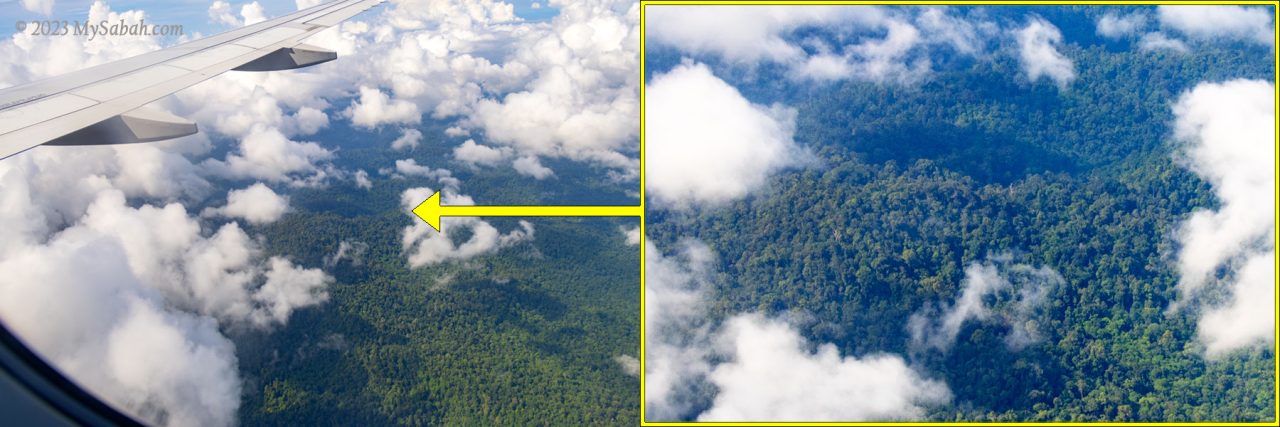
{"x": 1011, "y": 212}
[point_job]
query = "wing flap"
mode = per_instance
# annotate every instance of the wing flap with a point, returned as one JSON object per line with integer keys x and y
{"x": 141, "y": 125}
{"x": 210, "y": 57}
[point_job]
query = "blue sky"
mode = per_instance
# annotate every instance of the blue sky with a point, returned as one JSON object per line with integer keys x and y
{"x": 193, "y": 14}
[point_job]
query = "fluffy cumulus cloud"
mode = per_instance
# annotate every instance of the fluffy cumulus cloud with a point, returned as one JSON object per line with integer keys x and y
{"x": 754, "y": 368}
{"x": 475, "y": 154}
{"x": 407, "y": 168}
{"x": 375, "y": 108}
{"x": 773, "y": 376}
{"x": 532, "y": 167}
{"x": 220, "y": 13}
{"x": 1226, "y": 134}
{"x": 257, "y": 204}
{"x": 425, "y": 246}
{"x": 749, "y": 35}
{"x": 361, "y": 179}
{"x": 692, "y": 116}
{"x": 1011, "y": 293}
{"x": 409, "y": 139}
{"x": 253, "y": 13}
{"x": 1038, "y": 43}
{"x": 122, "y": 290}
{"x": 267, "y": 154}
{"x": 1220, "y": 22}
{"x": 559, "y": 89}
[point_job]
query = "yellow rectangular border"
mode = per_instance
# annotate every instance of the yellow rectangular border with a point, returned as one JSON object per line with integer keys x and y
{"x": 1275, "y": 20}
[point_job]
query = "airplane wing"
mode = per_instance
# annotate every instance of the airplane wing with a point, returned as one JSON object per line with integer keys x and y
{"x": 104, "y": 104}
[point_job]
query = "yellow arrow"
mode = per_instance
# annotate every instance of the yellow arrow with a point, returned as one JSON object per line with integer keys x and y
{"x": 430, "y": 211}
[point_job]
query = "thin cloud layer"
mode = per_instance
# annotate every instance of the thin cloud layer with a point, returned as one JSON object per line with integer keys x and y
{"x": 1012, "y": 293}
{"x": 749, "y": 35}
{"x": 1115, "y": 26}
{"x": 1220, "y": 22}
{"x": 1226, "y": 135}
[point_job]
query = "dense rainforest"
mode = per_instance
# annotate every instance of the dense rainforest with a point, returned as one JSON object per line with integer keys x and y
{"x": 529, "y": 335}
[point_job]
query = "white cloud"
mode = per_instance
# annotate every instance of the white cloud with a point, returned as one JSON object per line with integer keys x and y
{"x": 963, "y": 35}
{"x": 632, "y": 235}
{"x": 1227, "y": 136}
{"x": 530, "y": 166}
{"x": 745, "y": 34}
{"x": 362, "y": 179}
{"x": 43, "y": 7}
{"x": 288, "y": 288}
{"x": 1158, "y": 41}
{"x": 424, "y": 246}
{"x": 749, "y": 35}
{"x": 79, "y": 305}
{"x": 375, "y": 108}
{"x": 410, "y": 167}
{"x": 1117, "y": 26}
{"x": 580, "y": 96}
{"x": 250, "y": 13}
{"x": 629, "y": 364}
{"x": 772, "y": 376}
{"x": 693, "y": 116}
{"x": 875, "y": 60}
{"x": 266, "y": 154}
{"x": 253, "y": 13}
{"x": 1014, "y": 292}
{"x": 352, "y": 251}
{"x": 124, "y": 289}
{"x": 220, "y": 13}
{"x": 1037, "y": 44}
{"x": 456, "y": 131}
{"x": 559, "y": 89}
{"x": 408, "y": 139}
{"x": 475, "y": 154}
{"x": 752, "y": 368}
{"x": 257, "y": 204}
{"x": 308, "y": 121}
{"x": 1248, "y": 24}
{"x": 676, "y": 337}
